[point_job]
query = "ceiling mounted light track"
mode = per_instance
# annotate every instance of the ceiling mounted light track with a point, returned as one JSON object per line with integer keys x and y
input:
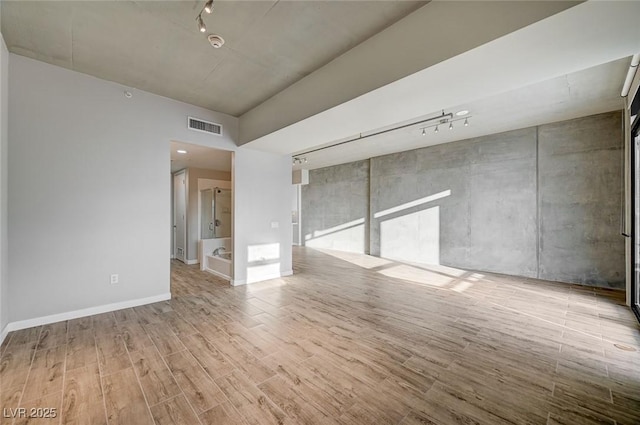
{"x": 208, "y": 7}
{"x": 215, "y": 40}
{"x": 298, "y": 160}
{"x": 201, "y": 26}
{"x": 441, "y": 119}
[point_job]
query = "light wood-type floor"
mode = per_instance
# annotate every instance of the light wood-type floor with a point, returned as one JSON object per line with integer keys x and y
{"x": 348, "y": 339}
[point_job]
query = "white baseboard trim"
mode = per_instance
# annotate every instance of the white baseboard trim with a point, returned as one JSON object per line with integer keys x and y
{"x": 286, "y": 273}
{"x": 238, "y": 282}
{"x": 53, "y": 318}
{"x": 3, "y": 333}
{"x": 191, "y": 262}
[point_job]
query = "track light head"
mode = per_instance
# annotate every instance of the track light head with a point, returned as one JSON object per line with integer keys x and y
{"x": 450, "y": 126}
{"x": 466, "y": 122}
{"x": 201, "y": 26}
{"x": 208, "y": 7}
{"x": 436, "y": 130}
{"x": 424, "y": 133}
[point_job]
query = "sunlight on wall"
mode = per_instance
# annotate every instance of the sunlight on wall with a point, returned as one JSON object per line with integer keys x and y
{"x": 344, "y": 237}
{"x": 263, "y": 262}
{"x": 264, "y": 252}
{"x": 412, "y": 204}
{"x": 412, "y": 237}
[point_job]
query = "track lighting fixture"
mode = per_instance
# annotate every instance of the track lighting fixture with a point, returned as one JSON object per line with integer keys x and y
{"x": 215, "y": 40}
{"x": 201, "y": 26}
{"x": 208, "y": 7}
{"x": 443, "y": 119}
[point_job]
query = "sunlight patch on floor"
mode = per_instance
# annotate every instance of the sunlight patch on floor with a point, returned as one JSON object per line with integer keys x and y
{"x": 361, "y": 260}
{"x": 416, "y": 275}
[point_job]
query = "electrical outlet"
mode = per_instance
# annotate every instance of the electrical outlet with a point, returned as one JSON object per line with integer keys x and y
{"x": 114, "y": 279}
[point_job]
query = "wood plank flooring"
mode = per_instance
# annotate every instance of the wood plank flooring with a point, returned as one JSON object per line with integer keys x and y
{"x": 348, "y": 339}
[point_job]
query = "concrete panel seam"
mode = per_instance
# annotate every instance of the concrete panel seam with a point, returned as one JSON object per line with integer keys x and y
{"x": 538, "y": 224}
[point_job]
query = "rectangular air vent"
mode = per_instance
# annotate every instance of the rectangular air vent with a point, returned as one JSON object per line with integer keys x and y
{"x": 204, "y": 126}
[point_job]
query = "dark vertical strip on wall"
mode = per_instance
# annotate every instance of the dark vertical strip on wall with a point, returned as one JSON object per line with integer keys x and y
{"x": 538, "y": 223}
{"x": 369, "y": 214}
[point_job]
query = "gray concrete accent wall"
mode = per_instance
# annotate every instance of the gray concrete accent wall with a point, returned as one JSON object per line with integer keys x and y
{"x": 539, "y": 202}
{"x": 335, "y": 208}
{"x": 486, "y": 217}
{"x": 580, "y": 191}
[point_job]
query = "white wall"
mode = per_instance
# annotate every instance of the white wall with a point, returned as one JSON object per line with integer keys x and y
{"x": 104, "y": 205}
{"x": 4, "y": 277}
{"x": 261, "y": 251}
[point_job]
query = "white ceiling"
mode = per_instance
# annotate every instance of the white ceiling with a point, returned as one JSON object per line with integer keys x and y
{"x": 156, "y": 46}
{"x": 199, "y": 157}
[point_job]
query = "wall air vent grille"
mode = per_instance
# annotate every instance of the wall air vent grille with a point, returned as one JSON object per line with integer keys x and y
{"x": 204, "y": 126}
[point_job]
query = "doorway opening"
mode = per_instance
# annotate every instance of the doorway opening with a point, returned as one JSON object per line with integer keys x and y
{"x": 202, "y": 207}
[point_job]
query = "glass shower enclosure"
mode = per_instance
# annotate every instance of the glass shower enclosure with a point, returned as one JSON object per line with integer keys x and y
{"x": 215, "y": 214}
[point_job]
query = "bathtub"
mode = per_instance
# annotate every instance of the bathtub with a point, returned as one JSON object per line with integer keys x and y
{"x": 219, "y": 264}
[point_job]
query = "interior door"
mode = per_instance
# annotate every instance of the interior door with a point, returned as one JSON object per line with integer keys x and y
{"x": 179, "y": 213}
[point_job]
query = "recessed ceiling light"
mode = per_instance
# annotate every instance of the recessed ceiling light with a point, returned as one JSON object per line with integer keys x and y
{"x": 181, "y": 151}
{"x": 462, "y": 113}
{"x": 215, "y": 40}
